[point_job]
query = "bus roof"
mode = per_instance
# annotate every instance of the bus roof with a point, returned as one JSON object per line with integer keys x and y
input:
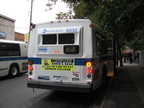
{"x": 10, "y": 41}
{"x": 69, "y": 20}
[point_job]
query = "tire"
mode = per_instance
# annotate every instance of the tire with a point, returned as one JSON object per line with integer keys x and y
{"x": 13, "y": 71}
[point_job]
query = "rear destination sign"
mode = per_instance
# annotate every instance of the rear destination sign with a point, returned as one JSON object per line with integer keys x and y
{"x": 58, "y": 64}
{"x": 73, "y": 29}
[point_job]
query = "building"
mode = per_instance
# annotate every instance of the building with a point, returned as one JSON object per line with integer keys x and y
{"x": 19, "y": 36}
{"x": 7, "y": 28}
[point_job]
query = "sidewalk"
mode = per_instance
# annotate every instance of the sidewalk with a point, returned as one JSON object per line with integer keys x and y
{"x": 137, "y": 74}
{"x": 127, "y": 88}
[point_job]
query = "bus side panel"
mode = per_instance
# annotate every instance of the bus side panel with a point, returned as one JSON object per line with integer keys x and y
{"x": 23, "y": 63}
{"x": 3, "y": 67}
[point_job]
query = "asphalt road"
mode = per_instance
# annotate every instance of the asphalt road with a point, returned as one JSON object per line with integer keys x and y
{"x": 15, "y": 94}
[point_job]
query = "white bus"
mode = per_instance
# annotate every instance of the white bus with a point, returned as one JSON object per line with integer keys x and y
{"x": 69, "y": 55}
{"x": 13, "y": 58}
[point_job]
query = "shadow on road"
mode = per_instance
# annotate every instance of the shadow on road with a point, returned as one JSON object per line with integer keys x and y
{"x": 64, "y": 99}
{"x": 6, "y": 77}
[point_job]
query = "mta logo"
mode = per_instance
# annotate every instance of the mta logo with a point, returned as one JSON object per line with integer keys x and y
{"x": 44, "y": 31}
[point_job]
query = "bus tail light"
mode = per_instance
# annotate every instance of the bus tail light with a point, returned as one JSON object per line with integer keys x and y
{"x": 90, "y": 25}
{"x": 88, "y": 64}
{"x": 30, "y": 68}
{"x": 89, "y": 67}
{"x": 89, "y": 70}
{"x": 30, "y": 62}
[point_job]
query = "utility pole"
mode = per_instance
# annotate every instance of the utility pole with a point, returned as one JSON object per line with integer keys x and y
{"x": 31, "y": 15}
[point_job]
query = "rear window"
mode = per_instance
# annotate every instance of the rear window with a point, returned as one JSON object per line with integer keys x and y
{"x": 66, "y": 38}
{"x": 60, "y": 38}
{"x": 49, "y": 39}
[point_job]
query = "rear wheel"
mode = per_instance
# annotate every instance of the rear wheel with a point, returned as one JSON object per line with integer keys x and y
{"x": 13, "y": 71}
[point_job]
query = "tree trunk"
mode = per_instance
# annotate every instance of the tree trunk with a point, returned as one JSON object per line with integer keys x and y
{"x": 120, "y": 55}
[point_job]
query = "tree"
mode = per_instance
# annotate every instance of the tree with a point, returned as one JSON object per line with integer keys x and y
{"x": 62, "y": 15}
{"x": 122, "y": 19}
{"x": 119, "y": 18}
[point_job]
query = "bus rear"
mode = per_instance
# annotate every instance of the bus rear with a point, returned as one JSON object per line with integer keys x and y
{"x": 58, "y": 57}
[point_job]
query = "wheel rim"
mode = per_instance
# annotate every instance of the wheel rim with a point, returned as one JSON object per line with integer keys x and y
{"x": 14, "y": 71}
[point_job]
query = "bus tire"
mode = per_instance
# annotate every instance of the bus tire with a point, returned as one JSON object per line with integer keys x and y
{"x": 13, "y": 70}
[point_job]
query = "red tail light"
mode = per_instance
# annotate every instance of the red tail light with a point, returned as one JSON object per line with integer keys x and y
{"x": 30, "y": 62}
{"x": 90, "y": 25}
{"x": 30, "y": 68}
{"x": 89, "y": 70}
{"x": 89, "y": 67}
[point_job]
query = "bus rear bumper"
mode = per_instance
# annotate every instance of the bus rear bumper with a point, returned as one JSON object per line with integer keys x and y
{"x": 60, "y": 86}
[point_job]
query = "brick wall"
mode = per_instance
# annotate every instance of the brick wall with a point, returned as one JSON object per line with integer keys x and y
{"x": 19, "y": 36}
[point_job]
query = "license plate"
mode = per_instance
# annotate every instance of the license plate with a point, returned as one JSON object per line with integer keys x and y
{"x": 57, "y": 78}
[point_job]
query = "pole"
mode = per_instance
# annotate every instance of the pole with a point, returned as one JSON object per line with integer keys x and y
{"x": 30, "y": 20}
{"x": 31, "y": 16}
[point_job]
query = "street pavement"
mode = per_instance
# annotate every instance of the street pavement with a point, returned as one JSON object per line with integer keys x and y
{"x": 127, "y": 88}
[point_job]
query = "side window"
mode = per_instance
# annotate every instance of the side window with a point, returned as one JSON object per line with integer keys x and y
{"x": 104, "y": 45}
{"x": 109, "y": 46}
{"x": 13, "y": 49}
{"x": 98, "y": 44}
{"x": 3, "y": 48}
{"x": 66, "y": 38}
{"x": 49, "y": 39}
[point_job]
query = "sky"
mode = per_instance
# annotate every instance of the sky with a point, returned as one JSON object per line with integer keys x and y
{"x": 20, "y": 11}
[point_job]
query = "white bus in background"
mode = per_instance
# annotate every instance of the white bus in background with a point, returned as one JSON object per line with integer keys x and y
{"x": 69, "y": 55}
{"x": 13, "y": 58}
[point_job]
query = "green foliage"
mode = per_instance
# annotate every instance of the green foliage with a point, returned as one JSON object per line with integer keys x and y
{"x": 62, "y": 15}
{"x": 136, "y": 44}
{"x": 122, "y": 19}
{"x": 83, "y": 10}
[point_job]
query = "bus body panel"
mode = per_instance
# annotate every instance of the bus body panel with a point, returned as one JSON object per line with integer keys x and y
{"x": 3, "y": 68}
{"x": 64, "y": 57}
